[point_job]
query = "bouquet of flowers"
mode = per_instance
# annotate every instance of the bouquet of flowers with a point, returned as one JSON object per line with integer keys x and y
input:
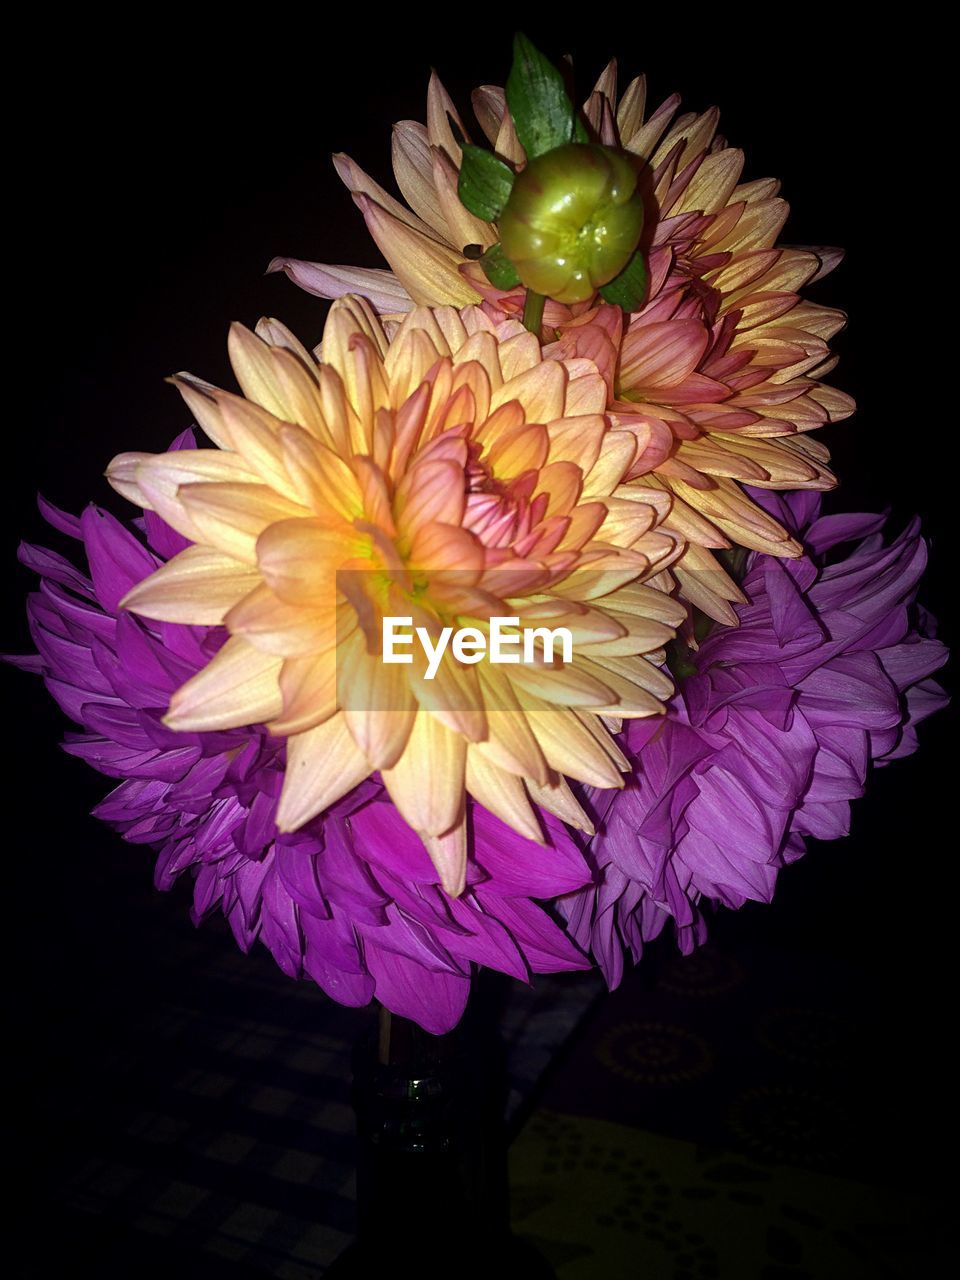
{"x": 504, "y": 628}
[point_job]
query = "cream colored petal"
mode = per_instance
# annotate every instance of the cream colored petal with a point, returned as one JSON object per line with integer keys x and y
{"x": 377, "y": 701}
{"x": 557, "y": 798}
{"x": 254, "y": 434}
{"x": 276, "y": 379}
{"x": 641, "y": 601}
{"x": 587, "y": 389}
{"x": 713, "y": 183}
{"x": 430, "y": 491}
{"x": 503, "y": 794}
{"x": 349, "y": 317}
{"x": 630, "y": 678}
{"x": 568, "y": 746}
{"x": 489, "y": 106}
{"x": 440, "y": 111}
{"x": 510, "y": 743}
{"x": 321, "y": 480}
{"x": 198, "y": 587}
{"x": 561, "y": 686}
{"x": 427, "y": 782}
{"x": 323, "y": 764}
{"x": 540, "y": 390}
{"x": 631, "y": 108}
{"x": 448, "y": 853}
{"x": 326, "y": 280}
{"x": 238, "y": 687}
{"x": 361, "y": 184}
{"x": 518, "y": 354}
{"x": 461, "y": 227}
{"x": 276, "y": 334}
{"x": 299, "y": 560}
{"x": 232, "y": 516}
{"x": 616, "y": 457}
{"x": 200, "y": 399}
{"x": 122, "y": 475}
{"x": 160, "y": 477}
{"x": 742, "y": 520}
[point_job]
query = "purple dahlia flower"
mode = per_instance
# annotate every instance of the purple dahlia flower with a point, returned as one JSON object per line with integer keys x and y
{"x": 352, "y": 900}
{"x": 770, "y": 738}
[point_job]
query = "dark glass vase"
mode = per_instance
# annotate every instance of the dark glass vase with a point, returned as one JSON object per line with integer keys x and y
{"x": 432, "y": 1190}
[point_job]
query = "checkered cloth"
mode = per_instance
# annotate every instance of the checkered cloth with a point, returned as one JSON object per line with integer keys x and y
{"x": 228, "y": 1136}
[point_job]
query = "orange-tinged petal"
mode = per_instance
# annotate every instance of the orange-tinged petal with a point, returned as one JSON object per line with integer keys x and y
{"x": 273, "y": 378}
{"x": 616, "y": 457}
{"x": 377, "y": 701}
{"x": 322, "y": 482}
{"x": 430, "y": 492}
{"x": 524, "y": 449}
{"x": 510, "y": 743}
{"x": 557, "y": 798}
{"x": 540, "y": 390}
{"x": 122, "y": 476}
{"x": 274, "y": 626}
{"x": 299, "y": 560}
{"x": 308, "y": 687}
{"x": 412, "y": 158}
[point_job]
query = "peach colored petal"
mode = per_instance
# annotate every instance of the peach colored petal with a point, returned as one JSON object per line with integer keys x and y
{"x": 299, "y": 560}
{"x": 308, "y": 687}
{"x": 427, "y": 270}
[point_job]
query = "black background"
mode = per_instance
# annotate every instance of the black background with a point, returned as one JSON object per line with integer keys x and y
{"x": 158, "y": 169}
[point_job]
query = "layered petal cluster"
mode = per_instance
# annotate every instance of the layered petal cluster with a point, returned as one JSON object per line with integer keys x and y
{"x": 451, "y": 476}
{"x": 351, "y": 900}
{"x": 770, "y": 737}
{"x": 719, "y": 373}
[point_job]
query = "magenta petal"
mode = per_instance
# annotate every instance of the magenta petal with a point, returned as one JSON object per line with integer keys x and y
{"x": 436, "y": 1000}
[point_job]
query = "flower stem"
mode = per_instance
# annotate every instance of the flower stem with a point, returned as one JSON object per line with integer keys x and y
{"x": 533, "y": 312}
{"x": 385, "y": 1034}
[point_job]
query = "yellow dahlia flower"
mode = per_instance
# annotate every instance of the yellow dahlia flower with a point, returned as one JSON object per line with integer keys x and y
{"x": 718, "y": 375}
{"x": 453, "y": 475}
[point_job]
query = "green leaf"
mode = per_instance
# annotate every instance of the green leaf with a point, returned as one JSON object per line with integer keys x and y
{"x": 629, "y": 288}
{"x": 485, "y": 183}
{"x": 498, "y": 268}
{"x": 580, "y": 130}
{"x": 538, "y": 102}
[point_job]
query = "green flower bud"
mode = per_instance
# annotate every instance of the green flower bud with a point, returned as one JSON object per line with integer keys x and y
{"x": 572, "y": 221}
